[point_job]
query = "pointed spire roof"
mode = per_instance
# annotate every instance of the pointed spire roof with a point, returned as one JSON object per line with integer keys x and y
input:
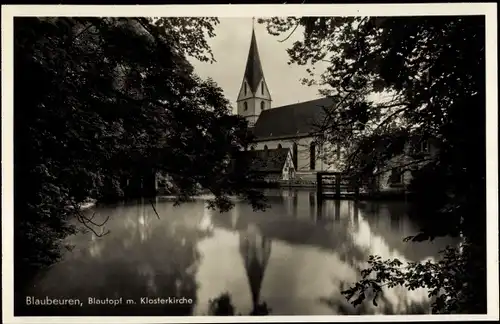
{"x": 253, "y": 70}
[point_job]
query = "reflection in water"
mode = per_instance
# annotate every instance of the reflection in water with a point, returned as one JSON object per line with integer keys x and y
{"x": 142, "y": 256}
{"x": 294, "y": 203}
{"x": 395, "y": 219}
{"x": 255, "y": 250}
{"x": 312, "y": 205}
{"x": 193, "y": 252}
{"x": 337, "y": 210}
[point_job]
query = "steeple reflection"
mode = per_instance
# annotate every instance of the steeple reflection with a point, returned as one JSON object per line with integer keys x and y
{"x": 255, "y": 250}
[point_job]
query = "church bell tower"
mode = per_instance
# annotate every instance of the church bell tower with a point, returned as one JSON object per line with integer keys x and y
{"x": 254, "y": 96}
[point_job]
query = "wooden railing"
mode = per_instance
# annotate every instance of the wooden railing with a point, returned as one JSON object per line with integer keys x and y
{"x": 337, "y": 185}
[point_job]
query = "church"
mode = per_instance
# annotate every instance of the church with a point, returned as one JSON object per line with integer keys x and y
{"x": 280, "y": 129}
{"x": 284, "y": 148}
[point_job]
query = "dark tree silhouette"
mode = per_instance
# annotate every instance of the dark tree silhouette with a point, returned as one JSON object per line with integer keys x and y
{"x": 431, "y": 71}
{"x": 102, "y": 102}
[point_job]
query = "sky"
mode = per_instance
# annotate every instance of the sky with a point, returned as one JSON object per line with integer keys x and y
{"x": 230, "y": 48}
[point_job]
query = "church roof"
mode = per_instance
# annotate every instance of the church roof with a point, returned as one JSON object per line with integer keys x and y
{"x": 270, "y": 160}
{"x": 291, "y": 120}
{"x": 253, "y": 70}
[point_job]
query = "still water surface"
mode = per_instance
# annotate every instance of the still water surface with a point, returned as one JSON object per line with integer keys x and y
{"x": 296, "y": 257}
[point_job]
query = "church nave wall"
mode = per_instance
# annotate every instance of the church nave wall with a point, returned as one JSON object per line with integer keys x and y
{"x": 303, "y": 153}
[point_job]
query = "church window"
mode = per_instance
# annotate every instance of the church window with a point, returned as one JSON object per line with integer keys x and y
{"x": 312, "y": 156}
{"x": 279, "y": 146}
{"x": 262, "y": 105}
{"x": 294, "y": 153}
{"x": 425, "y": 146}
{"x": 245, "y": 86}
{"x": 245, "y": 106}
{"x": 396, "y": 176}
{"x": 262, "y": 87}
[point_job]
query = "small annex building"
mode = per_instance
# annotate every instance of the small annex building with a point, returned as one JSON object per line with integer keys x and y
{"x": 270, "y": 165}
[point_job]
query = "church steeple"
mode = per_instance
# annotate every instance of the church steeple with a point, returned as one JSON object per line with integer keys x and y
{"x": 254, "y": 95}
{"x": 253, "y": 70}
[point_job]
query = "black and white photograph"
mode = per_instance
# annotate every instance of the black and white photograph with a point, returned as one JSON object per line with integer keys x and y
{"x": 180, "y": 162}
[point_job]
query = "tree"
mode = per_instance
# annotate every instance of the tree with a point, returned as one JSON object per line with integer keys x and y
{"x": 100, "y": 100}
{"x": 222, "y": 306}
{"x": 399, "y": 78}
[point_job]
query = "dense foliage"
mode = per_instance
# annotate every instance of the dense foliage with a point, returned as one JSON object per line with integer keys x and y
{"x": 398, "y": 81}
{"x": 102, "y": 102}
{"x": 223, "y": 306}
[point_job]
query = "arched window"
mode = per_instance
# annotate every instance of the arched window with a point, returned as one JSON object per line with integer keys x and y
{"x": 262, "y": 105}
{"x": 279, "y": 146}
{"x": 295, "y": 152}
{"x": 265, "y": 147}
{"x": 396, "y": 176}
{"x": 312, "y": 156}
{"x": 245, "y": 106}
{"x": 262, "y": 87}
{"x": 245, "y": 86}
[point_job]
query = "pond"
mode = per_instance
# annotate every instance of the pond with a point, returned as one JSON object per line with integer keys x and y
{"x": 297, "y": 257}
